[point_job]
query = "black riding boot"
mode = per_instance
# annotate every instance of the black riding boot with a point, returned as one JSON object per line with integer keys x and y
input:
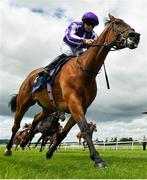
{"x": 43, "y": 76}
{"x": 53, "y": 64}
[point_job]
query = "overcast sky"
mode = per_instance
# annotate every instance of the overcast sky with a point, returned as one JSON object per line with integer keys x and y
{"x": 31, "y": 33}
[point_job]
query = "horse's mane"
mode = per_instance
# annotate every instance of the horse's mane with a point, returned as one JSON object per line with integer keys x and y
{"x": 106, "y": 22}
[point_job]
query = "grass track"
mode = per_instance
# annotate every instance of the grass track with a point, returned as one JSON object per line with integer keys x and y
{"x": 73, "y": 164}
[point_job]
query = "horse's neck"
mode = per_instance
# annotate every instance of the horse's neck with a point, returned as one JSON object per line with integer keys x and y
{"x": 94, "y": 57}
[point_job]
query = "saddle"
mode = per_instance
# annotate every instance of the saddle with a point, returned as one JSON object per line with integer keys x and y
{"x": 41, "y": 80}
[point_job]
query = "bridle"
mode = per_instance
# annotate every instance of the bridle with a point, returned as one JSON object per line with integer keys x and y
{"x": 113, "y": 46}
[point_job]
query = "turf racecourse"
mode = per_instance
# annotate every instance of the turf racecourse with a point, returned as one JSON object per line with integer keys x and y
{"x": 73, "y": 164}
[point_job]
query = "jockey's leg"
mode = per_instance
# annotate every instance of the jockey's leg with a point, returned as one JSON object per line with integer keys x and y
{"x": 51, "y": 66}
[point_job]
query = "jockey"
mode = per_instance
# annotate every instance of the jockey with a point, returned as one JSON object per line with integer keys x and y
{"x": 78, "y": 37}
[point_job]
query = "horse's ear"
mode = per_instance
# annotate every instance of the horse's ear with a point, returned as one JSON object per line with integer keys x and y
{"x": 112, "y": 18}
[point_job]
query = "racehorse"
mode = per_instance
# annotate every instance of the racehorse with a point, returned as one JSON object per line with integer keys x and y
{"x": 21, "y": 136}
{"x": 47, "y": 127}
{"x": 52, "y": 138}
{"x": 80, "y": 135}
{"x": 74, "y": 87}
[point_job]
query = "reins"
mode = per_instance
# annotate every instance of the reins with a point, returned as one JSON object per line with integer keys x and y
{"x": 94, "y": 72}
{"x": 112, "y": 47}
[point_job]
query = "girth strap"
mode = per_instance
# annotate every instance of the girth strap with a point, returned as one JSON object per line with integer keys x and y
{"x": 50, "y": 95}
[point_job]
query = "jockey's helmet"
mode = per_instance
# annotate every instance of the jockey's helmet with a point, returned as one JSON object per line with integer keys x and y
{"x": 90, "y": 18}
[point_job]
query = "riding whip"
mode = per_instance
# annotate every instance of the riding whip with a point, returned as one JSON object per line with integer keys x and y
{"x": 107, "y": 81}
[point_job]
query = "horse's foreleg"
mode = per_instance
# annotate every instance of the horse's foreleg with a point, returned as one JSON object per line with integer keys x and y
{"x": 77, "y": 111}
{"x": 94, "y": 155}
{"x": 38, "y": 141}
{"x": 42, "y": 144}
{"x": 70, "y": 123}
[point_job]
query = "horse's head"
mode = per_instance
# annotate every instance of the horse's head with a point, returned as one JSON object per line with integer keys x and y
{"x": 121, "y": 35}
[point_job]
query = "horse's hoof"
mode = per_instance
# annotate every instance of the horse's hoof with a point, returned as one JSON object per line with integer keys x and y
{"x": 49, "y": 155}
{"x": 101, "y": 165}
{"x": 8, "y": 152}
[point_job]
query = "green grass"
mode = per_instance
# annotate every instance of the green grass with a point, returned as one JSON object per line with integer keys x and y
{"x": 73, "y": 164}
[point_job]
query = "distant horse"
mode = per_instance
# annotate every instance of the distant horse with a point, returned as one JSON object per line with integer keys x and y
{"x": 74, "y": 87}
{"x": 21, "y": 135}
{"x": 52, "y": 138}
{"x": 80, "y": 135}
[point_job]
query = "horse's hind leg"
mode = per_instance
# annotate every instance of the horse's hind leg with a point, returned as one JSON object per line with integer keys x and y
{"x": 16, "y": 126}
{"x": 20, "y": 111}
{"x": 70, "y": 123}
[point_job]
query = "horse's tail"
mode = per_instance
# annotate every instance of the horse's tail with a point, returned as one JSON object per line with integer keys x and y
{"x": 12, "y": 103}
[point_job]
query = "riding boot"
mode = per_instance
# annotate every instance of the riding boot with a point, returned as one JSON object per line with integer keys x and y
{"x": 48, "y": 68}
{"x": 53, "y": 64}
{"x": 44, "y": 75}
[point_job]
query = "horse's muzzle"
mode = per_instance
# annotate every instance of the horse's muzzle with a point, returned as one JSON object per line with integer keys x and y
{"x": 132, "y": 40}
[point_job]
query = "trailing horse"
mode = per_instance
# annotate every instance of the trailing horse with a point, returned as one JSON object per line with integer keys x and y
{"x": 21, "y": 136}
{"x": 48, "y": 128}
{"x": 80, "y": 135}
{"x": 51, "y": 138}
{"x": 74, "y": 87}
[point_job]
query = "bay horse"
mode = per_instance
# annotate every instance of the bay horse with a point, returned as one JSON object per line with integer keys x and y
{"x": 74, "y": 87}
{"x": 51, "y": 138}
{"x": 21, "y": 136}
{"x": 80, "y": 135}
{"x": 47, "y": 127}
